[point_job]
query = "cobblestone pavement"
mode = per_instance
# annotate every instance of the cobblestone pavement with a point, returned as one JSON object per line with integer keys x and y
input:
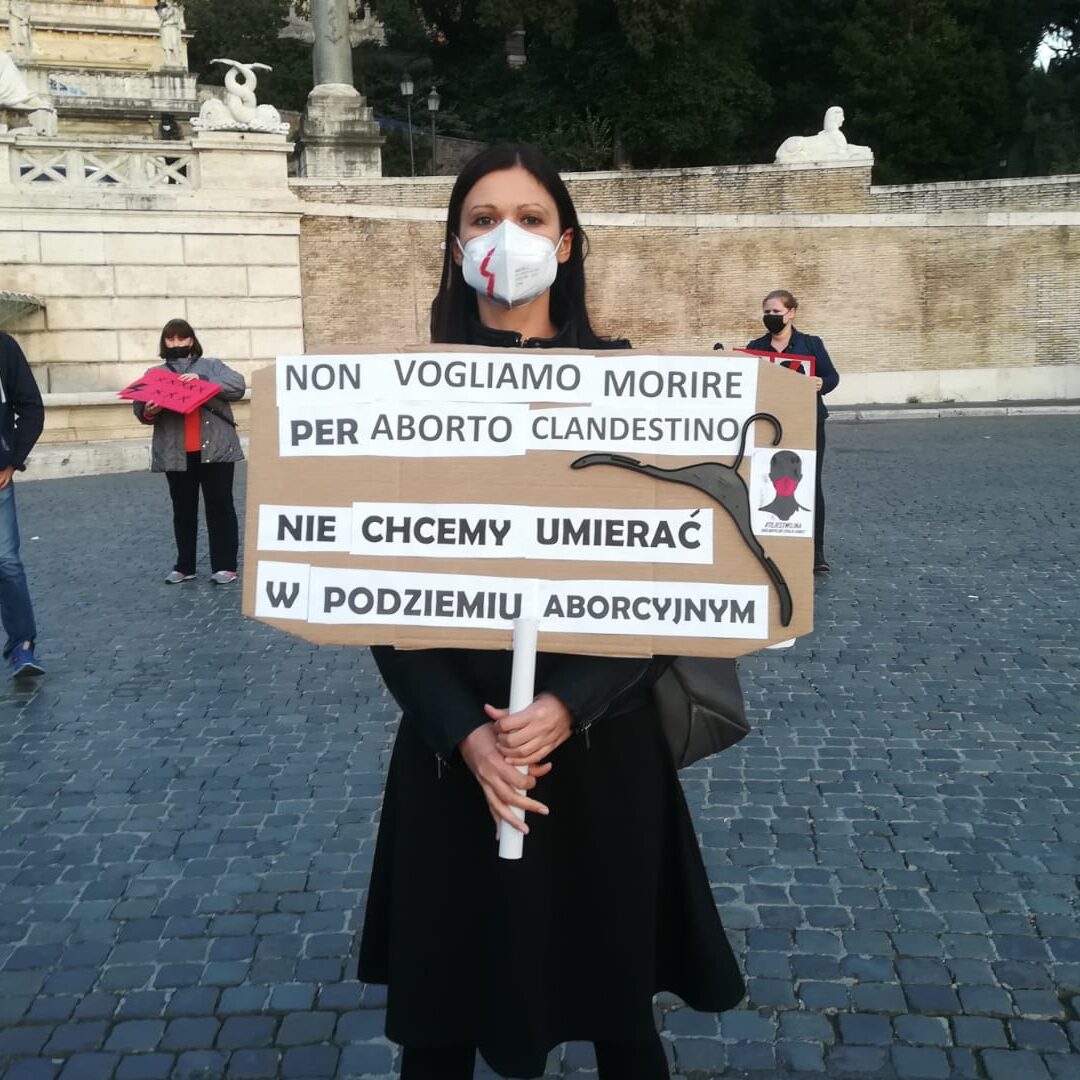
{"x": 187, "y": 803}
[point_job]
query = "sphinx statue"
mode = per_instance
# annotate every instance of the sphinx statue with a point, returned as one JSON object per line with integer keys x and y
{"x": 14, "y": 93}
{"x": 829, "y": 146}
{"x": 18, "y": 97}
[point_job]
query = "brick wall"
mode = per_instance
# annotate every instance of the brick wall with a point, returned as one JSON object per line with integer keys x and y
{"x": 962, "y": 277}
{"x": 885, "y": 299}
{"x": 737, "y": 189}
{"x": 367, "y": 282}
{"x": 1036, "y": 193}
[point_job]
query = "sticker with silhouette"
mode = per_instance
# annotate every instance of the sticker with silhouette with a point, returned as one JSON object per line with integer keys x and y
{"x": 782, "y": 492}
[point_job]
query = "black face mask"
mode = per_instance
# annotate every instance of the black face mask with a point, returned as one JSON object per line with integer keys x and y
{"x": 773, "y": 323}
{"x": 177, "y": 352}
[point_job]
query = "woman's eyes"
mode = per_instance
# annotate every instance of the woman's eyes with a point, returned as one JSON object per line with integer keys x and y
{"x": 486, "y": 221}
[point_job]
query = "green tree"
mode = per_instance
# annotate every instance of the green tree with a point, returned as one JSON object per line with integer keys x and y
{"x": 249, "y": 30}
{"x": 668, "y": 81}
{"x": 941, "y": 89}
{"x": 936, "y": 87}
{"x": 1050, "y": 141}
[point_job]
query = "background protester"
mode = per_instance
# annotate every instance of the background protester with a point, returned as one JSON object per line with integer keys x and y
{"x": 22, "y": 417}
{"x": 778, "y": 315}
{"x": 611, "y": 902}
{"x": 198, "y": 450}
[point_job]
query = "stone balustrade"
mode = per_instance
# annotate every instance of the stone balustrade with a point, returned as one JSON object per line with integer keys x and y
{"x": 157, "y": 91}
{"x": 136, "y": 164}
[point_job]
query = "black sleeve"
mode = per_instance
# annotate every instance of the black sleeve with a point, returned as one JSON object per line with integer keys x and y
{"x": 825, "y": 369}
{"x": 24, "y": 400}
{"x": 430, "y": 685}
{"x": 591, "y": 685}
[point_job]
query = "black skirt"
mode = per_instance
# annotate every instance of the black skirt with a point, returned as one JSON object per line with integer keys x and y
{"x": 610, "y": 905}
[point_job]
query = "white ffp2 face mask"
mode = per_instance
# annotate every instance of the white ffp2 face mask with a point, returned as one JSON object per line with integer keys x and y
{"x": 509, "y": 264}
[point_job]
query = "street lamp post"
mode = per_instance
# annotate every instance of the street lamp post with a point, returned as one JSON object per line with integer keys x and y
{"x": 407, "y": 93}
{"x": 433, "y": 107}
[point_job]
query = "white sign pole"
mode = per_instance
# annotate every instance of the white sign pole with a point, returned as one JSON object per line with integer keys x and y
{"x": 522, "y": 692}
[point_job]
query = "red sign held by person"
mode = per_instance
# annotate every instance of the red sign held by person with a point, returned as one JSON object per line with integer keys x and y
{"x": 792, "y": 361}
{"x": 167, "y": 389}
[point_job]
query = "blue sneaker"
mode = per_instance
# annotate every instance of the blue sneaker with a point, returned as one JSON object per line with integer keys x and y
{"x": 23, "y": 664}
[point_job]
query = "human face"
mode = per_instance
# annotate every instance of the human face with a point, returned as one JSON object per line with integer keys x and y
{"x": 776, "y": 306}
{"x": 515, "y": 195}
{"x": 174, "y": 342}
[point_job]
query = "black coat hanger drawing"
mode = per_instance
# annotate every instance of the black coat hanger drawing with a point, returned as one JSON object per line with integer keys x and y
{"x": 722, "y": 484}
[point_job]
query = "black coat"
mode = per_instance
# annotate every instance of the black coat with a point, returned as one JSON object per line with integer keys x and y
{"x": 610, "y": 904}
{"x": 22, "y": 414}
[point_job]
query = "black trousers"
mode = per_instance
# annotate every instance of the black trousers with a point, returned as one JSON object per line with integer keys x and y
{"x": 216, "y": 481}
{"x": 819, "y": 500}
{"x": 614, "y": 1061}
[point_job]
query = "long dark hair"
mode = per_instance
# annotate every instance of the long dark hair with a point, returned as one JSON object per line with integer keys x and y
{"x": 455, "y": 304}
{"x": 179, "y": 328}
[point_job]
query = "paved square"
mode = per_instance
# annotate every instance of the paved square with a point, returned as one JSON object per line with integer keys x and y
{"x": 188, "y": 802}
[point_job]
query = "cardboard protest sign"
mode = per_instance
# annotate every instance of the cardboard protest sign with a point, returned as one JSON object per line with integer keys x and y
{"x": 805, "y": 365}
{"x": 167, "y": 389}
{"x": 429, "y": 497}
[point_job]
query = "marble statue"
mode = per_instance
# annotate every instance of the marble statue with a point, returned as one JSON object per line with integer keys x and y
{"x": 17, "y": 96}
{"x": 19, "y": 30}
{"x": 240, "y": 111}
{"x": 172, "y": 33}
{"x": 828, "y": 146}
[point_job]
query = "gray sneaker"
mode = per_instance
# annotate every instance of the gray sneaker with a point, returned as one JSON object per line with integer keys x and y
{"x": 178, "y": 578}
{"x": 223, "y": 577}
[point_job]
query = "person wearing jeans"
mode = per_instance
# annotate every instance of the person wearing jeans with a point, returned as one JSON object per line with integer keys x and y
{"x": 198, "y": 451}
{"x": 22, "y": 416}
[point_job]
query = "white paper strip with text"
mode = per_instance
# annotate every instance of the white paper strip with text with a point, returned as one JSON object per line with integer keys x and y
{"x": 667, "y": 609}
{"x": 481, "y": 531}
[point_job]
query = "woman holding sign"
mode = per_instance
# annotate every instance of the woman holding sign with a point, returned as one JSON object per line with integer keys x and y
{"x": 778, "y": 315}
{"x": 196, "y": 450}
{"x": 611, "y": 903}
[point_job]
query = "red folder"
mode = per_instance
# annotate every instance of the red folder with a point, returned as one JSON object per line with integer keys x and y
{"x": 165, "y": 388}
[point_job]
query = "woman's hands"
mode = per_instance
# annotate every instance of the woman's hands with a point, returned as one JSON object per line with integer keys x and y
{"x": 494, "y": 751}
{"x": 498, "y": 779}
{"x": 818, "y": 383}
{"x": 529, "y": 736}
{"x": 152, "y": 408}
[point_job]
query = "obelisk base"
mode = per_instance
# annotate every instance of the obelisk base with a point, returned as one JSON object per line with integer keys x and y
{"x": 339, "y": 136}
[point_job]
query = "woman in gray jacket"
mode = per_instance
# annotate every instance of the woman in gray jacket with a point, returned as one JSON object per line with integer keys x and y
{"x": 199, "y": 450}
